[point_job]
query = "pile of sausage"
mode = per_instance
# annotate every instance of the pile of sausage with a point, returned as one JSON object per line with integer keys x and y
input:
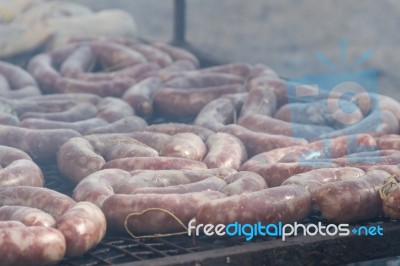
{"x": 241, "y": 145}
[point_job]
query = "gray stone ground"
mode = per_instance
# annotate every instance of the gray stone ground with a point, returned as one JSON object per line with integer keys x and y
{"x": 284, "y": 34}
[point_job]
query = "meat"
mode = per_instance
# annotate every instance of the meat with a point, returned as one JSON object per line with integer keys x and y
{"x": 94, "y": 150}
{"x": 26, "y": 215}
{"x": 30, "y": 245}
{"x": 259, "y": 101}
{"x": 351, "y": 200}
{"x": 185, "y": 145}
{"x": 266, "y": 124}
{"x": 181, "y": 103}
{"x": 150, "y": 214}
{"x": 216, "y": 114}
{"x": 82, "y": 224}
{"x": 243, "y": 182}
{"x": 174, "y": 128}
{"x": 257, "y": 142}
{"x": 41, "y": 145}
{"x": 284, "y": 204}
{"x": 154, "y": 163}
{"x": 225, "y": 150}
{"x": 389, "y": 194}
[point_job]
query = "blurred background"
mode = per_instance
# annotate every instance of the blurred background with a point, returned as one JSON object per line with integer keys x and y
{"x": 285, "y": 35}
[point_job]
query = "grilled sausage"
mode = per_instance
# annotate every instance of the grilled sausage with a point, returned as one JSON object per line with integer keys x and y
{"x": 351, "y": 200}
{"x": 225, "y": 150}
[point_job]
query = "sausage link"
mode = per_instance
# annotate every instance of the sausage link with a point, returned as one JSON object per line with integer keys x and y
{"x": 140, "y": 96}
{"x": 154, "y": 163}
{"x": 180, "y": 103}
{"x": 257, "y": 142}
{"x": 174, "y": 128}
{"x": 26, "y": 215}
{"x": 225, "y": 150}
{"x": 41, "y": 145}
{"x": 30, "y": 245}
{"x": 351, "y": 200}
{"x": 266, "y": 124}
{"x": 185, "y": 145}
{"x": 243, "y": 182}
{"x": 259, "y": 101}
{"x": 216, "y": 114}
{"x": 158, "y": 221}
{"x": 123, "y": 125}
{"x": 284, "y": 204}
{"x": 83, "y": 226}
{"x": 197, "y": 80}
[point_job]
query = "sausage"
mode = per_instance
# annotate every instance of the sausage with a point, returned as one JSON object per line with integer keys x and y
{"x": 152, "y": 54}
{"x": 175, "y": 69}
{"x": 284, "y": 204}
{"x": 79, "y": 61}
{"x": 20, "y": 82}
{"x": 102, "y": 88}
{"x": 197, "y": 80}
{"x": 123, "y": 125}
{"x": 336, "y": 113}
{"x": 391, "y": 169}
{"x": 8, "y": 119}
{"x": 315, "y": 179}
{"x": 237, "y": 99}
{"x": 377, "y": 123}
{"x": 129, "y": 149}
{"x": 174, "y": 128}
{"x": 151, "y": 213}
{"x": 40, "y": 67}
{"x": 152, "y": 139}
{"x": 30, "y": 245}
{"x": 140, "y": 96}
{"x": 237, "y": 69}
{"x": 52, "y": 102}
{"x": 257, "y": 142}
{"x": 319, "y": 177}
{"x": 211, "y": 183}
{"x": 274, "y": 173}
{"x": 216, "y": 114}
{"x": 259, "y": 101}
{"x": 154, "y": 163}
{"x": 41, "y": 145}
{"x": 260, "y": 71}
{"x": 114, "y": 56}
{"x": 134, "y": 72}
{"x": 180, "y": 103}
{"x": 225, "y": 150}
{"x": 75, "y": 113}
{"x": 79, "y": 157}
{"x": 351, "y": 200}
{"x": 79, "y": 126}
{"x": 177, "y": 53}
{"x": 26, "y": 215}
{"x": 333, "y": 148}
{"x": 387, "y": 142}
{"x": 243, "y": 182}
{"x": 37, "y": 197}
{"x": 368, "y": 102}
{"x": 185, "y": 145}
{"x": 266, "y": 124}
{"x": 21, "y": 172}
{"x": 168, "y": 178}
{"x": 112, "y": 109}
{"x": 83, "y": 226}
